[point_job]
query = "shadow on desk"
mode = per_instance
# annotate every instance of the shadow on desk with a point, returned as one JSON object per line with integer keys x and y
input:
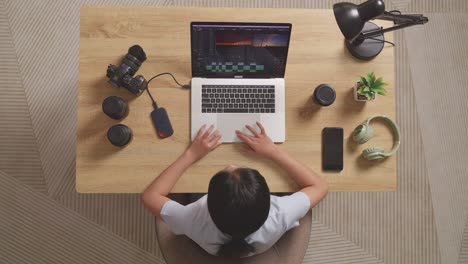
{"x": 352, "y": 106}
{"x": 309, "y": 109}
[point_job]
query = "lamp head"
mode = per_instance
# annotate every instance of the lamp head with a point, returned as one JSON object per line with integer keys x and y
{"x": 351, "y": 17}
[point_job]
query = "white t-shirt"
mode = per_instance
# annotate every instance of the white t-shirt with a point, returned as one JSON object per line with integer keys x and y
{"x": 194, "y": 221}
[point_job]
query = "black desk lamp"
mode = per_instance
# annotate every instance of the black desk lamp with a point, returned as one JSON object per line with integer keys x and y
{"x": 364, "y": 39}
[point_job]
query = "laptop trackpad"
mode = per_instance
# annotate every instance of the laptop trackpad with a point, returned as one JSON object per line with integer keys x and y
{"x": 227, "y": 124}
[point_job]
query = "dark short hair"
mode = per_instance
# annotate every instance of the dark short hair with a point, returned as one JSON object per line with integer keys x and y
{"x": 239, "y": 204}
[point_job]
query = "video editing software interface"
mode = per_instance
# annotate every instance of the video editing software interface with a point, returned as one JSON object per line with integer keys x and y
{"x": 226, "y": 50}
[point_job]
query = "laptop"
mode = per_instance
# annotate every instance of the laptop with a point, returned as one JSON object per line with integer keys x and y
{"x": 238, "y": 77}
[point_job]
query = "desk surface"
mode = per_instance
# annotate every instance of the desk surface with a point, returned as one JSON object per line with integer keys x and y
{"x": 316, "y": 55}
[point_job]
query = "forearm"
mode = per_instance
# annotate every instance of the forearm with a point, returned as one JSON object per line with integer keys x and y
{"x": 300, "y": 173}
{"x": 155, "y": 196}
{"x": 164, "y": 183}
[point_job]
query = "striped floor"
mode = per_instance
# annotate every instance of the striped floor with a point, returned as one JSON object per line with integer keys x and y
{"x": 43, "y": 219}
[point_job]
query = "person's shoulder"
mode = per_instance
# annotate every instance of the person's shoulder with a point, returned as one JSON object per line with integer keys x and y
{"x": 201, "y": 228}
{"x": 198, "y": 209}
{"x": 200, "y": 202}
{"x": 285, "y": 212}
{"x": 183, "y": 219}
{"x": 282, "y": 204}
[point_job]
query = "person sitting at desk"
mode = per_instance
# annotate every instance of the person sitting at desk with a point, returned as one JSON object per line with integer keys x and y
{"x": 238, "y": 217}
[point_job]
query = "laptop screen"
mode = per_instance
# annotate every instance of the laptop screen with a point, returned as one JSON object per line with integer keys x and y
{"x": 247, "y": 50}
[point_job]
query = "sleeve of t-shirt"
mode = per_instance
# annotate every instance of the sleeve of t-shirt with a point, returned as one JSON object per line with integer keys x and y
{"x": 293, "y": 207}
{"x": 178, "y": 217}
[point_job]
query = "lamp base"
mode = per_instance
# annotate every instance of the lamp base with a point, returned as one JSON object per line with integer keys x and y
{"x": 366, "y": 49}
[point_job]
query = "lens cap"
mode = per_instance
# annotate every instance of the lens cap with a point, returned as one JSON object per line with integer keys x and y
{"x": 119, "y": 135}
{"x": 324, "y": 95}
{"x": 115, "y": 107}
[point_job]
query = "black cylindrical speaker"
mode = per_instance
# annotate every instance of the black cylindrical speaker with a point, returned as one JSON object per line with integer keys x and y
{"x": 324, "y": 95}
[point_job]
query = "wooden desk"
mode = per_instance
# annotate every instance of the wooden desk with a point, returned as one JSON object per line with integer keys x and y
{"x": 316, "y": 55}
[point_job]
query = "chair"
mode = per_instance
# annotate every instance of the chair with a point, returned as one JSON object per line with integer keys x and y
{"x": 290, "y": 249}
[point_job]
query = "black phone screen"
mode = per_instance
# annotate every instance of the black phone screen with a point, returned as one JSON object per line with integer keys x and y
{"x": 332, "y": 148}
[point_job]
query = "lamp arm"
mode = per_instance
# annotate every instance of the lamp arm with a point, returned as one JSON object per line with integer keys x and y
{"x": 401, "y": 21}
{"x": 399, "y": 18}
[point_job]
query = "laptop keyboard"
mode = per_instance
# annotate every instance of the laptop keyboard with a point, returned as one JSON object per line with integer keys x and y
{"x": 238, "y": 99}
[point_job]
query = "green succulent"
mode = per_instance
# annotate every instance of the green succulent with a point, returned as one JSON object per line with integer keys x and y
{"x": 371, "y": 86}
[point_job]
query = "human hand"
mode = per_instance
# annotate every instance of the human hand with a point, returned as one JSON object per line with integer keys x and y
{"x": 259, "y": 144}
{"x": 205, "y": 141}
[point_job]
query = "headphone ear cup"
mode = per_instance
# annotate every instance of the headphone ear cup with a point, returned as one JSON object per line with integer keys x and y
{"x": 363, "y": 133}
{"x": 373, "y": 153}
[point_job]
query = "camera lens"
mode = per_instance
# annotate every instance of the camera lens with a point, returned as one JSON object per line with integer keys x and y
{"x": 119, "y": 135}
{"x": 137, "y": 52}
{"x": 115, "y": 107}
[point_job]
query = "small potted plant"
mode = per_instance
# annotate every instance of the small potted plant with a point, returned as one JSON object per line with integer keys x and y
{"x": 367, "y": 88}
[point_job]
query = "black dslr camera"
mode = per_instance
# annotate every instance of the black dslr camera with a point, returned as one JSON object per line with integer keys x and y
{"x": 123, "y": 75}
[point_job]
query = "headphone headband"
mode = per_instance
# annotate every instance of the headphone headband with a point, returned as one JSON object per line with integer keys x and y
{"x": 395, "y": 129}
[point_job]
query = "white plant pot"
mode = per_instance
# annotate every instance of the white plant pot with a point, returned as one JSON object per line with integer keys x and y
{"x": 356, "y": 97}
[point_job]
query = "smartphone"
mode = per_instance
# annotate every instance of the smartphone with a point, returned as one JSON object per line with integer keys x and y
{"x": 332, "y": 149}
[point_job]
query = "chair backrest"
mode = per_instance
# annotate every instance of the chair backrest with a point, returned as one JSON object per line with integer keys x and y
{"x": 290, "y": 249}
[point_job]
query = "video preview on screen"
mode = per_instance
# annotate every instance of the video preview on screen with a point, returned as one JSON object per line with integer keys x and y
{"x": 249, "y": 51}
